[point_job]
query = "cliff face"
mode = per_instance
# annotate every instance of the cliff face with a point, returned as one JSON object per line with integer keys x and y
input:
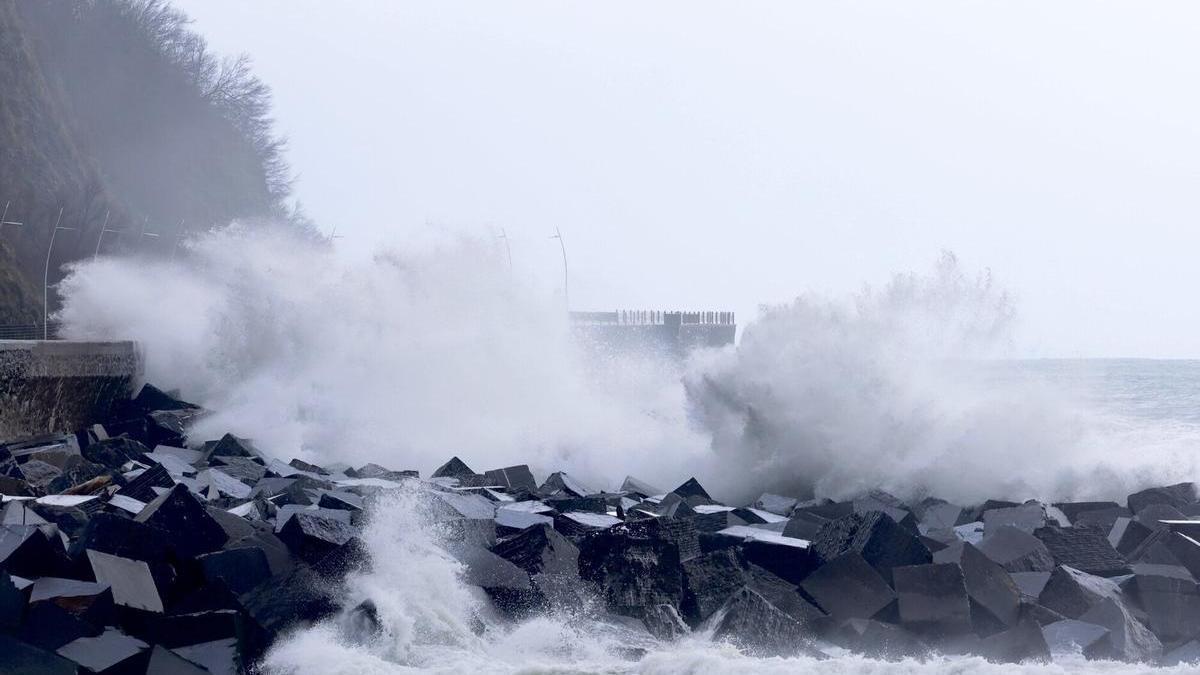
{"x": 115, "y": 107}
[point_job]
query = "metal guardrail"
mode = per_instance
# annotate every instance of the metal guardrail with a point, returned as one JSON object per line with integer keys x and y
{"x": 30, "y": 331}
{"x": 627, "y": 317}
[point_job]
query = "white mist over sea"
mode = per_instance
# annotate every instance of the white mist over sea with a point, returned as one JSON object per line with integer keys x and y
{"x": 418, "y": 354}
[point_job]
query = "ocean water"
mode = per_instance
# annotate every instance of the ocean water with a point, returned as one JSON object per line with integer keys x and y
{"x": 420, "y": 354}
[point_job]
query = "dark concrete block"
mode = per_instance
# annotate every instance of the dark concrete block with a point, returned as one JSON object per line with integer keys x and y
{"x": 874, "y": 536}
{"x": 754, "y": 624}
{"x": 311, "y": 536}
{"x": 218, "y": 656}
{"x": 1130, "y": 639}
{"x": 163, "y": 661}
{"x": 26, "y": 551}
{"x": 879, "y": 640}
{"x": 1071, "y": 637}
{"x": 681, "y": 532}
{"x": 1072, "y": 593}
{"x": 240, "y": 569}
{"x": 513, "y": 479}
{"x": 455, "y": 468}
{"x": 804, "y": 525}
{"x": 1084, "y": 549}
{"x": 142, "y": 487}
{"x": 1171, "y": 604}
{"x": 112, "y": 652}
{"x": 190, "y": 529}
{"x": 995, "y": 597}
{"x": 1017, "y": 551}
{"x": 692, "y": 488}
{"x": 932, "y": 599}
{"x": 631, "y": 573}
{"x": 1178, "y": 496}
{"x": 131, "y": 581}
{"x": 1022, "y": 643}
{"x": 848, "y": 587}
{"x": 22, "y": 658}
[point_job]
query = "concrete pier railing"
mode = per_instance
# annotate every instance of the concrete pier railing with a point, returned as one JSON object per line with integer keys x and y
{"x": 61, "y": 386}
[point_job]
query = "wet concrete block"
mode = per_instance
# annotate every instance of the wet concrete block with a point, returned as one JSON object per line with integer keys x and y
{"x": 1084, "y": 549}
{"x": 1130, "y": 639}
{"x": 23, "y": 658}
{"x": 876, "y": 537}
{"x": 191, "y": 530}
{"x": 1024, "y": 642}
{"x": 513, "y": 479}
{"x": 848, "y": 587}
{"x": 994, "y": 597}
{"x": 632, "y": 573}
{"x": 131, "y": 581}
{"x": 111, "y": 652}
{"x": 1072, "y": 593}
{"x": 1017, "y": 551}
{"x": 311, "y": 536}
{"x": 1071, "y": 637}
{"x": 1178, "y": 496}
{"x": 932, "y": 598}
{"x": 754, "y": 624}
{"x": 240, "y": 569}
{"x": 1171, "y": 604}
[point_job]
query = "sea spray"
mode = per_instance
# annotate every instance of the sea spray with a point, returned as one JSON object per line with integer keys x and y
{"x": 420, "y": 353}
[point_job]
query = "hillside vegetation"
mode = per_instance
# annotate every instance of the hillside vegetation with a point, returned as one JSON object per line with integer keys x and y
{"x": 116, "y": 108}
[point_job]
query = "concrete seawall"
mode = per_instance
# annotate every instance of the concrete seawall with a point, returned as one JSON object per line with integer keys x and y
{"x": 59, "y": 387}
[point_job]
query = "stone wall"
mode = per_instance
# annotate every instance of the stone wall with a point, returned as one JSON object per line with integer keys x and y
{"x": 58, "y": 387}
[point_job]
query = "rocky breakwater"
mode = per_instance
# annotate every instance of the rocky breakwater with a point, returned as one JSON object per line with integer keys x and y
{"x": 127, "y": 548}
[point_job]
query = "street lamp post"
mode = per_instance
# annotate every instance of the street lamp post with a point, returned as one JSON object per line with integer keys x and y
{"x": 566, "y": 277}
{"x": 508, "y": 251}
{"x": 46, "y": 276}
{"x": 4, "y": 218}
{"x": 100, "y": 239}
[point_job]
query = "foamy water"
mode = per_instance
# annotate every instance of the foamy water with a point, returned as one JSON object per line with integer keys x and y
{"x": 409, "y": 358}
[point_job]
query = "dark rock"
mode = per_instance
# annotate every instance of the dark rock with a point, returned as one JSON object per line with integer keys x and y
{"x": 296, "y": 598}
{"x": 345, "y": 501}
{"x": 232, "y": 446}
{"x": 115, "y": 452}
{"x": 804, "y": 525}
{"x": 312, "y": 536}
{"x": 995, "y": 598}
{"x": 711, "y": 579}
{"x": 244, "y": 469}
{"x": 642, "y": 489}
{"x": 1073, "y": 593}
{"x": 848, "y": 587}
{"x": 777, "y": 504}
{"x": 306, "y": 467}
{"x": 61, "y": 610}
{"x": 1038, "y": 614}
{"x": 1171, "y": 604}
{"x": 754, "y": 624}
{"x": 218, "y": 656}
{"x": 875, "y": 537}
{"x": 22, "y": 658}
{"x": 560, "y": 482}
{"x": 1072, "y": 510}
{"x": 632, "y": 574}
{"x": 163, "y": 661}
{"x": 782, "y": 556}
{"x": 349, "y": 557}
{"x": 131, "y": 582}
{"x": 111, "y": 652}
{"x": 1024, "y": 642}
{"x": 1178, "y": 496}
{"x": 681, "y": 532}
{"x": 1131, "y": 641}
{"x": 14, "y": 595}
{"x": 932, "y": 598}
{"x": 1127, "y": 534}
{"x": 142, "y": 487}
{"x": 1184, "y": 549}
{"x": 70, "y": 519}
{"x": 240, "y": 569}
{"x": 876, "y": 639}
{"x": 1084, "y": 549}
{"x": 1024, "y": 517}
{"x": 1188, "y": 652}
{"x": 1017, "y": 551}
{"x": 150, "y": 398}
{"x": 692, "y": 488}
{"x": 455, "y": 468}
{"x": 190, "y": 529}
{"x": 579, "y": 523}
{"x": 1152, "y": 515}
{"x": 1073, "y": 637}
{"x": 26, "y": 551}
{"x": 878, "y": 500}
{"x": 512, "y": 479}
{"x": 168, "y": 427}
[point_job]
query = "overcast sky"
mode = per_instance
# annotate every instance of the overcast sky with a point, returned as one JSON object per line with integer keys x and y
{"x": 721, "y": 155}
